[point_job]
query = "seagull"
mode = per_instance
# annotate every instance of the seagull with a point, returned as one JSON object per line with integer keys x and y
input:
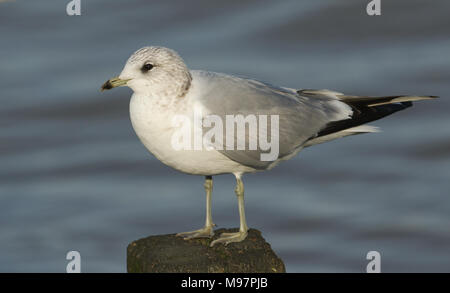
{"x": 164, "y": 89}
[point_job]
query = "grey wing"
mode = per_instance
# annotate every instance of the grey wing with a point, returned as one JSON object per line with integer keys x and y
{"x": 299, "y": 117}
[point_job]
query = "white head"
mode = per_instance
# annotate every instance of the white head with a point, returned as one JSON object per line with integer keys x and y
{"x": 154, "y": 71}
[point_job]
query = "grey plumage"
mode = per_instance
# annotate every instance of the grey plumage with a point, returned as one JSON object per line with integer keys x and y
{"x": 304, "y": 115}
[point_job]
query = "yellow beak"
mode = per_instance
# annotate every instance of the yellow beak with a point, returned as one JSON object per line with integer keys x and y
{"x": 113, "y": 82}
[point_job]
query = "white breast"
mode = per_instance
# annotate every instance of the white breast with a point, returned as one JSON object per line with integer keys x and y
{"x": 152, "y": 122}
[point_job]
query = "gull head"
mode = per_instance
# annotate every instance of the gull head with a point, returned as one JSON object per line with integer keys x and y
{"x": 153, "y": 71}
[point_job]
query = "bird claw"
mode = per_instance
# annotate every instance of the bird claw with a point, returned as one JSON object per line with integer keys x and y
{"x": 227, "y": 238}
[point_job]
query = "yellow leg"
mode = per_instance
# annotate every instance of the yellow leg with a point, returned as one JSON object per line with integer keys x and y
{"x": 227, "y": 238}
{"x": 207, "y": 230}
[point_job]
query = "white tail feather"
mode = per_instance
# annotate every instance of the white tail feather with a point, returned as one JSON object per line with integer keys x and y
{"x": 346, "y": 132}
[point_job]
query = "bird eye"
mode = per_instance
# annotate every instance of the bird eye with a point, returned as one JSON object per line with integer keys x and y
{"x": 147, "y": 67}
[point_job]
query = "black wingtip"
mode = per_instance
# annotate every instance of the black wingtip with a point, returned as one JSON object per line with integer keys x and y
{"x": 363, "y": 115}
{"x": 407, "y": 104}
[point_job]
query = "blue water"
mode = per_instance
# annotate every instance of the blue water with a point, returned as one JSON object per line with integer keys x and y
{"x": 73, "y": 175}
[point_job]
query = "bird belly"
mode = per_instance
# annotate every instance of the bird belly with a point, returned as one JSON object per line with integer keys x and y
{"x": 155, "y": 130}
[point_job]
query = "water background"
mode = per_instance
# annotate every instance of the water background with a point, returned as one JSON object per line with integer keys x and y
{"x": 73, "y": 175}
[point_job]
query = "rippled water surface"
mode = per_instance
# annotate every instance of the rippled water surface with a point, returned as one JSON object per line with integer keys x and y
{"x": 73, "y": 175}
